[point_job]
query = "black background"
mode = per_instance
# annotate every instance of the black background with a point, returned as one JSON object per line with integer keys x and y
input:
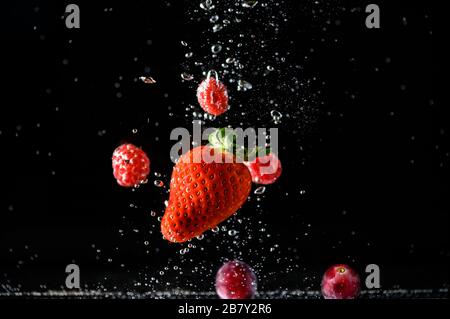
{"x": 372, "y": 163}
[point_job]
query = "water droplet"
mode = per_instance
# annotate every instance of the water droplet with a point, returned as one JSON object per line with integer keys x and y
{"x": 134, "y": 131}
{"x": 189, "y": 55}
{"x": 184, "y": 43}
{"x": 216, "y": 48}
{"x": 200, "y": 237}
{"x": 152, "y": 213}
{"x": 146, "y": 243}
{"x": 249, "y": 3}
{"x": 276, "y": 116}
{"x": 184, "y": 251}
{"x": 158, "y": 183}
{"x": 214, "y": 19}
{"x": 270, "y": 68}
{"x": 215, "y": 229}
{"x": 232, "y": 232}
{"x": 147, "y": 79}
{"x": 244, "y": 85}
{"x": 207, "y": 5}
{"x": 229, "y": 60}
{"x": 260, "y": 190}
{"x": 217, "y": 27}
{"x": 186, "y": 76}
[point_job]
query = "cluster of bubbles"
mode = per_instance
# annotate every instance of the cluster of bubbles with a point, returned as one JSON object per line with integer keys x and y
{"x": 265, "y": 90}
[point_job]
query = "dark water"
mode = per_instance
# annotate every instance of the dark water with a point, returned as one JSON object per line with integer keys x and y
{"x": 363, "y": 144}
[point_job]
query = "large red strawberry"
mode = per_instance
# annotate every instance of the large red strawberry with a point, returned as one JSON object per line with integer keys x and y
{"x": 212, "y": 95}
{"x": 203, "y": 192}
{"x": 130, "y": 165}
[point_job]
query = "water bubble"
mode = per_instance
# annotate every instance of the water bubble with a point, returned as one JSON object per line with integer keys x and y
{"x": 215, "y": 229}
{"x": 249, "y": 3}
{"x": 134, "y": 131}
{"x": 244, "y": 85}
{"x": 276, "y": 116}
{"x": 152, "y": 213}
{"x": 200, "y": 237}
{"x": 232, "y": 232}
{"x": 184, "y": 251}
{"x": 207, "y": 5}
{"x": 146, "y": 243}
{"x": 229, "y": 60}
{"x": 189, "y": 55}
{"x": 214, "y": 19}
{"x": 158, "y": 183}
{"x": 217, "y": 27}
{"x": 270, "y": 68}
{"x": 157, "y": 174}
{"x": 260, "y": 190}
{"x": 216, "y": 48}
{"x": 186, "y": 76}
{"x": 147, "y": 79}
{"x": 183, "y": 43}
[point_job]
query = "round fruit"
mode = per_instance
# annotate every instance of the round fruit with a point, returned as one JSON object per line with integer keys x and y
{"x": 265, "y": 169}
{"x": 131, "y": 165}
{"x": 212, "y": 95}
{"x": 340, "y": 282}
{"x": 236, "y": 280}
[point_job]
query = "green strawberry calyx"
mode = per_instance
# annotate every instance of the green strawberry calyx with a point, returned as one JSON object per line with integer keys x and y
{"x": 227, "y": 140}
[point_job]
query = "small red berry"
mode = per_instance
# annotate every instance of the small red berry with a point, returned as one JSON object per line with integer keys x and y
{"x": 212, "y": 95}
{"x": 130, "y": 165}
{"x": 340, "y": 282}
{"x": 265, "y": 169}
{"x": 236, "y": 280}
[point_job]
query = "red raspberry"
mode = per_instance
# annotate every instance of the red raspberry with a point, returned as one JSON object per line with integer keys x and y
{"x": 130, "y": 165}
{"x": 235, "y": 280}
{"x": 212, "y": 95}
{"x": 340, "y": 282}
{"x": 265, "y": 169}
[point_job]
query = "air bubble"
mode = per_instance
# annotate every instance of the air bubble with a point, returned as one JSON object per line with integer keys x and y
{"x": 216, "y": 48}
{"x": 215, "y": 229}
{"x": 276, "y": 116}
{"x": 260, "y": 190}
{"x": 232, "y": 232}
{"x": 186, "y": 76}
{"x": 249, "y": 3}
{"x": 244, "y": 85}
{"x": 217, "y": 28}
